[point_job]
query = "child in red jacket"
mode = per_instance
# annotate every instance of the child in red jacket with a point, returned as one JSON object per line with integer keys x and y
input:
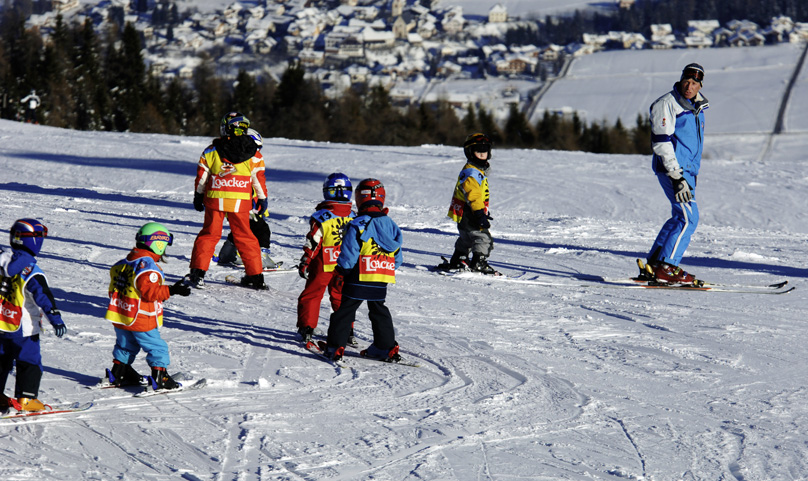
{"x": 321, "y": 251}
{"x": 136, "y": 295}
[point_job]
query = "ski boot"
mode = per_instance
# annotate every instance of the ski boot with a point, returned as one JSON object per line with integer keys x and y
{"x": 306, "y": 333}
{"x": 332, "y": 352}
{"x": 459, "y": 261}
{"x": 28, "y": 405}
{"x": 161, "y": 380}
{"x": 254, "y": 282}
{"x": 195, "y": 279}
{"x": 123, "y": 375}
{"x": 228, "y": 254}
{"x": 480, "y": 264}
{"x": 267, "y": 261}
{"x": 374, "y": 352}
{"x": 665, "y": 273}
{"x": 5, "y": 402}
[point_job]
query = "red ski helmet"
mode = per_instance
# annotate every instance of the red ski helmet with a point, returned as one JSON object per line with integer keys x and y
{"x": 370, "y": 192}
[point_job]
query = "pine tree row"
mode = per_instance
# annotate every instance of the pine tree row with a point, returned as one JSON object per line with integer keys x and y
{"x": 92, "y": 82}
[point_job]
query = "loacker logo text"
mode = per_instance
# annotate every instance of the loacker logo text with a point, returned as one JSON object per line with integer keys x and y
{"x": 9, "y": 313}
{"x": 373, "y": 265}
{"x": 121, "y": 304}
{"x": 219, "y": 183}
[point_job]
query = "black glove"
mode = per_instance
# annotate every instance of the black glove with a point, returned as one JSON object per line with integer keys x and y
{"x": 482, "y": 219}
{"x": 681, "y": 189}
{"x": 303, "y": 267}
{"x": 199, "y": 201}
{"x": 179, "y": 288}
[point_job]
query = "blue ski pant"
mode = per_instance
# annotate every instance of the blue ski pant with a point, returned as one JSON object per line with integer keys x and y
{"x": 674, "y": 237}
{"x": 129, "y": 343}
{"x": 26, "y": 353}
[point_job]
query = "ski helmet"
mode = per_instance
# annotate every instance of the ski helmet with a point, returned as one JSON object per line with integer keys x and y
{"x": 234, "y": 124}
{"x": 337, "y": 186}
{"x": 154, "y": 237}
{"x": 477, "y": 143}
{"x": 693, "y": 71}
{"x": 28, "y": 235}
{"x": 370, "y": 192}
{"x": 259, "y": 141}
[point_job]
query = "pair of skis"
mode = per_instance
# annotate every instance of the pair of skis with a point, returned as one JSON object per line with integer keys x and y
{"x": 319, "y": 349}
{"x": 629, "y": 283}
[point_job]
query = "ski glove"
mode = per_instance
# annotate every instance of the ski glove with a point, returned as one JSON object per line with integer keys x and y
{"x": 199, "y": 201}
{"x": 482, "y": 219}
{"x": 303, "y": 267}
{"x": 179, "y": 288}
{"x": 263, "y": 205}
{"x": 681, "y": 189}
{"x": 55, "y": 318}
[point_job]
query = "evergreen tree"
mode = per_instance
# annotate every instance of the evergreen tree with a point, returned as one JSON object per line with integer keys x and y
{"x": 517, "y": 130}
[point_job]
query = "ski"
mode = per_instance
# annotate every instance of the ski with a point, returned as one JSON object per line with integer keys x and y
{"x": 74, "y": 408}
{"x": 279, "y": 268}
{"x": 633, "y": 283}
{"x": 104, "y": 383}
{"x": 183, "y": 387}
{"x": 444, "y": 269}
{"x": 400, "y": 362}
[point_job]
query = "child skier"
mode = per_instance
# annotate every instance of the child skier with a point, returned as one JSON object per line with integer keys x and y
{"x": 136, "y": 295}
{"x": 228, "y": 254}
{"x": 227, "y": 174}
{"x": 321, "y": 251}
{"x": 25, "y": 298}
{"x": 469, "y": 208}
{"x": 370, "y": 255}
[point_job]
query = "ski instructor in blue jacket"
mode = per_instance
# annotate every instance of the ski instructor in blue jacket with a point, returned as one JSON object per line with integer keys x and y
{"x": 677, "y": 139}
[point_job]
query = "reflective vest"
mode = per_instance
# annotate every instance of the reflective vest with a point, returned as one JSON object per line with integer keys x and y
{"x": 124, "y": 298}
{"x": 471, "y": 189}
{"x": 376, "y": 265}
{"x": 229, "y": 186}
{"x": 333, "y": 227}
{"x": 16, "y": 307}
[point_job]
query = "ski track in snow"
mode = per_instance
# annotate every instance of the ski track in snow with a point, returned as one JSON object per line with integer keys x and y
{"x": 517, "y": 380}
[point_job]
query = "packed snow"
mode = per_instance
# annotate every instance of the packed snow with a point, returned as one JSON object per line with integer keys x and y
{"x": 517, "y": 380}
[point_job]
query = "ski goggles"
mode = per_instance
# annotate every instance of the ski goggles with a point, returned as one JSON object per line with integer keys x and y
{"x": 156, "y": 237}
{"x": 693, "y": 73}
{"x": 42, "y": 233}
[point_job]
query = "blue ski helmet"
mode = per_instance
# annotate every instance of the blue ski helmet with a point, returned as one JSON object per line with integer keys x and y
{"x": 337, "y": 186}
{"x": 154, "y": 237}
{"x": 28, "y": 235}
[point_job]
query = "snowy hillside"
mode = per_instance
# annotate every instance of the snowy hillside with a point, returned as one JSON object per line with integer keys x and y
{"x": 518, "y": 380}
{"x": 744, "y": 86}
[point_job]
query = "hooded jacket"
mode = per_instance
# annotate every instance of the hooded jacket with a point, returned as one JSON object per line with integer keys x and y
{"x": 370, "y": 254}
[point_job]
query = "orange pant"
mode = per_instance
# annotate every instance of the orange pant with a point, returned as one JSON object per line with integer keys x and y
{"x": 308, "y": 304}
{"x": 211, "y": 233}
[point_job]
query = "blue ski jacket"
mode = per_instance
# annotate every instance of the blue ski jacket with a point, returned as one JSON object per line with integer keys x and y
{"x": 677, "y": 133}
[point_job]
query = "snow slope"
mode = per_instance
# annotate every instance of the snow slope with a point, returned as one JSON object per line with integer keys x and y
{"x": 744, "y": 86}
{"x": 518, "y": 381}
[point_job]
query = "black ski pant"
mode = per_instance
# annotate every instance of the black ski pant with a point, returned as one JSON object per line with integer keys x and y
{"x": 339, "y": 328}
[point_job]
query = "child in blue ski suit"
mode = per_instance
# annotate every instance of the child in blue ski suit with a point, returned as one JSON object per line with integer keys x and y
{"x": 370, "y": 255}
{"x": 26, "y": 299}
